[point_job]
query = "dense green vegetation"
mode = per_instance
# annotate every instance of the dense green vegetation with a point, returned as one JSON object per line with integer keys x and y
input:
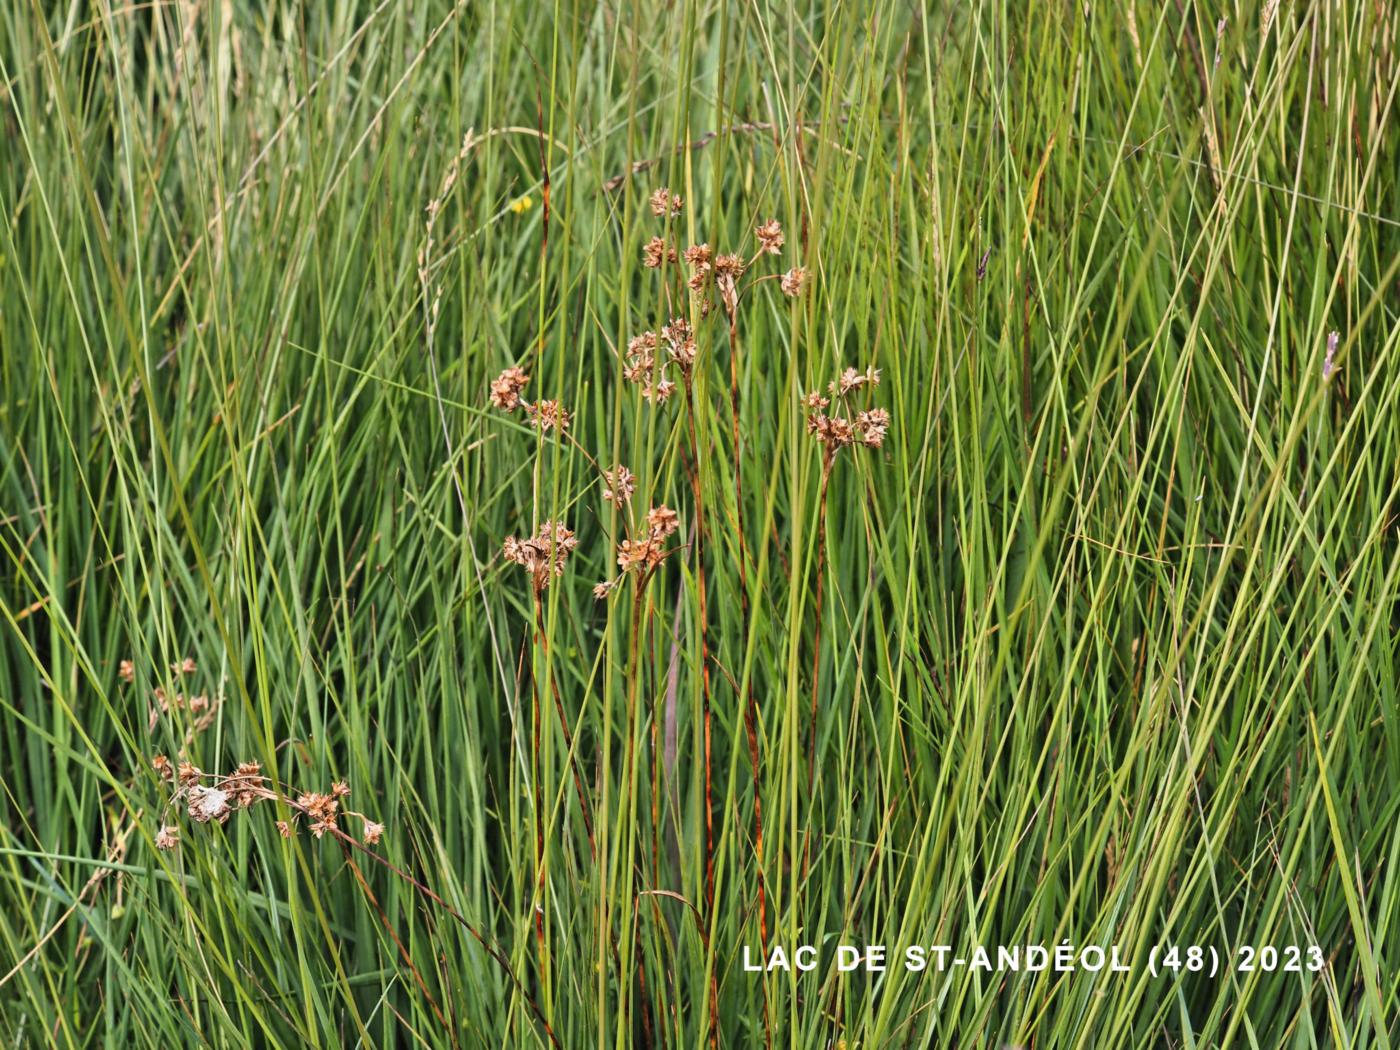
{"x": 1097, "y": 646}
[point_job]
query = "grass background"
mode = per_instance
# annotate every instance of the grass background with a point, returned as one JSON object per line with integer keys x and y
{"x": 1108, "y": 626}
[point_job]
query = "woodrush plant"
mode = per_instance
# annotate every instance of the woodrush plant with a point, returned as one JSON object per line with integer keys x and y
{"x": 1105, "y": 651}
{"x": 659, "y": 363}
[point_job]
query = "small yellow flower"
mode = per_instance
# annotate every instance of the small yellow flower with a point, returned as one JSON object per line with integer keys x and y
{"x": 521, "y": 204}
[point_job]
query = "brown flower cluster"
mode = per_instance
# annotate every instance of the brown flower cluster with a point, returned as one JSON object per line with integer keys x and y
{"x": 847, "y": 426}
{"x": 620, "y": 485}
{"x": 651, "y": 353}
{"x": 543, "y": 554}
{"x": 213, "y": 799}
{"x": 665, "y": 204}
{"x": 660, "y": 362}
{"x": 507, "y": 387}
{"x": 647, "y": 550}
{"x": 547, "y": 415}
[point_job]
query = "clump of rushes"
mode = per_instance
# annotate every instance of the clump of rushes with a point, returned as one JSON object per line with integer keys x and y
{"x": 660, "y": 363}
{"x": 836, "y": 422}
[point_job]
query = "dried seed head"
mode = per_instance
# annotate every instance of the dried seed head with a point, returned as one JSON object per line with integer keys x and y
{"x": 872, "y": 426}
{"x": 245, "y": 785}
{"x": 506, "y": 388}
{"x": 543, "y": 554}
{"x": 340, "y": 789}
{"x": 285, "y": 828}
{"x": 728, "y": 270}
{"x": 320, "y": 809}
{"x": 621, "y": 484}
{"x": 189, "y": 774}
{"x": 547, "y": 415}
{"x": 1329, "y": 363}
{"x": 770, "y": 237}
{"x": 664, "y": 203}
{"x": 699, "y": 256}
{"x": 208, "y": 803}
{"x": 655, "y": 252}
{"x": 835, "y": 432}
{"x": 661, "y": 522}
{"x": 639, "y": 555}
{"x": 792, "y": 281}
{"x": 602, "y": 590}
{"x": 373, "y": 832}
{"x": 680, "y": 343}
{"x": 185, "y": 666}
{"x": 660, "y": 391}
{"x": 730, "y": 267}
{"x": 167, "y": 837}
{"x": 851, "y": 379}
{"x": 161, "y": 765}
{"x": 126, "y": 671}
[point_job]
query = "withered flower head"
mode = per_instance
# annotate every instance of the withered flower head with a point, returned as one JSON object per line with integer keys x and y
{"x": 547, "y": 415}
{"x": 728, "y": 270}
{"x": 543, "y": 553}
{"x": 792, "y": 281}
{"x": 680, "y": 342}
{"x": 320, "y": 809}
{"x": 621, "y": 484}
{"x": 641, "y": 358}
{"x": 167, "y": 837}
{"x": 699, "y": 256}
{"x": 126, "y": 671}
{"x": 849, "y": 380}
{"x": 660, "y": 391}
{"x": 506, "y": 388}
{"x": 340, "y": 789}
{"x": 189, "y": 774}
{"x": 373, "y": 832}
{"x": 161, "y": 765}
{"x": 662, "y": 521}
{"x": 835, "y": 432}
{"x": 185, "y": 666}
{"x": 245, "y": 786}
{"x": 872, "y": 427}
{"x": 655, "y": 252}
{"x": 639, "y": 555}
{"x": 729, "y": 267}
{"x": 664, "y": 203}
{"x": 208, "y": 803}
{"x": 285, "y": 828}
{"x": 602, "y": 590}
{"x": 770, "y": 237}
